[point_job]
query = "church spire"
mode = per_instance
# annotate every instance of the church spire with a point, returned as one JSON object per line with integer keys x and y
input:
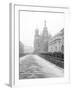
{"x": 45, "y": 23}
{"x": 45, "y": 31}
{"x": 45, "y": 27}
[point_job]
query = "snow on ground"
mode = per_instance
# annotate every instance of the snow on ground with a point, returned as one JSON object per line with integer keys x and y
{"x": 33, "y": 66}
{"x": 48, "y": 67}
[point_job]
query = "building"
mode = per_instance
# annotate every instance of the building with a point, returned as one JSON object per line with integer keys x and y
{"x": 41, "y": 41}
{"x": 44, "y": 39}
{"x": 37, "y": 41}
{"x": 44, "y": 42}
{"x": 56, "y": 43}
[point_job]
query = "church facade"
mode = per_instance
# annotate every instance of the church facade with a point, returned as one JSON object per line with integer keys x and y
{"x": 41, "y": 41}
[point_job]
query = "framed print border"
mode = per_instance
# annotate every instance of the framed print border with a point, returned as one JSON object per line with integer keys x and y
{"x": 14, "y": 27}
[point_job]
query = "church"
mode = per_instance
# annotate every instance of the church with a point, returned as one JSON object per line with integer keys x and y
{"x": 45, "y": 43}
{"x": 41, "y": 41}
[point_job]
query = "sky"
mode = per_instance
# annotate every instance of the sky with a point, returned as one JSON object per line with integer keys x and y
{"x": 29, "y": 21}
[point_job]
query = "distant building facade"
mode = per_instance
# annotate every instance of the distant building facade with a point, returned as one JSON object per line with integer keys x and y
{"x": 21, "y": 48}
{"x": 56, "y": 43}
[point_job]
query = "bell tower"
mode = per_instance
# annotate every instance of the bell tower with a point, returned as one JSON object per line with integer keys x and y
{"x": 45, "y": 31}
{"x": 45, "y": 38}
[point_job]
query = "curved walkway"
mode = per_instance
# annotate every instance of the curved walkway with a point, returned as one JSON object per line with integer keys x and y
{"x": 33, "y": 66}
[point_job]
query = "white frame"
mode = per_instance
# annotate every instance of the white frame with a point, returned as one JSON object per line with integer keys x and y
{"x": 14, "y": 45}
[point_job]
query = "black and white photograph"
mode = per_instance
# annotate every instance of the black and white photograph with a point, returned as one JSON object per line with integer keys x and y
{"x": 41, "y": 44}
{"x": 35, "y": 44}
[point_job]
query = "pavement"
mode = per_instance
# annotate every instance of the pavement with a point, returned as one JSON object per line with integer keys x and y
{"x": 34, "y": 66}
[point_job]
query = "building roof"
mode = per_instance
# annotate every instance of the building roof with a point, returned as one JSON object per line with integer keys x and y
{"x": 58, "y": 36}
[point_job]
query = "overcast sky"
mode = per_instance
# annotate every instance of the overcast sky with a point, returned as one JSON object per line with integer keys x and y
{"x": 29, "y": 21}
